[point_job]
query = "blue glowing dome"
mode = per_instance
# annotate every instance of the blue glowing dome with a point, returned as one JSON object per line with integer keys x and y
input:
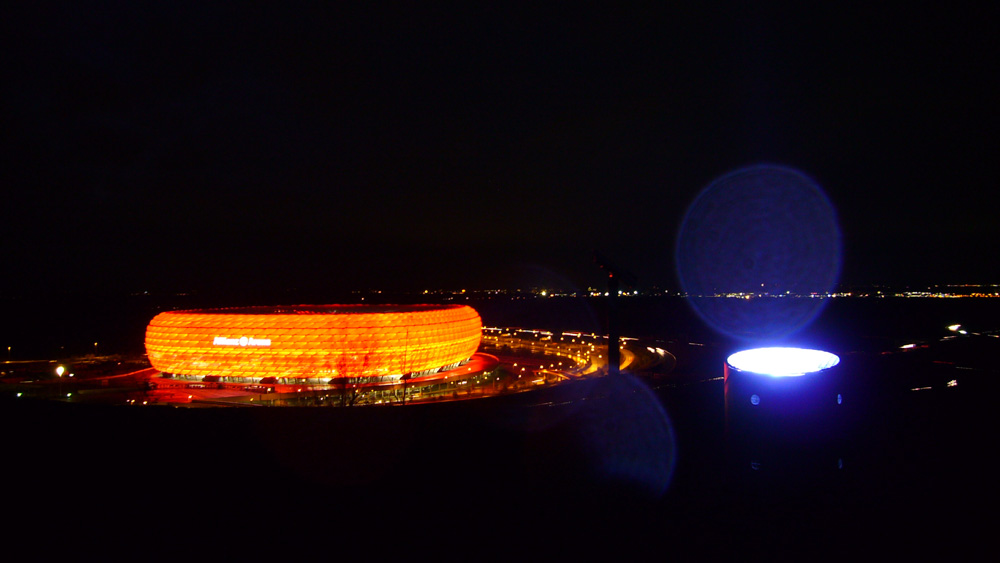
{"x": 782, "y": 362}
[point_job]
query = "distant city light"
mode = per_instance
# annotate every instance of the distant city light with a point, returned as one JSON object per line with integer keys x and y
{"x": 782, "y": 362}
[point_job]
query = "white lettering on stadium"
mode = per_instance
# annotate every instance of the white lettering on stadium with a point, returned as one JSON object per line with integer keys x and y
{"x": 241, "y": 341}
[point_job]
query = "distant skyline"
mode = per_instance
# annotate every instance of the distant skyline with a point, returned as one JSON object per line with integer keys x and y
{"x": 184, "y": 147}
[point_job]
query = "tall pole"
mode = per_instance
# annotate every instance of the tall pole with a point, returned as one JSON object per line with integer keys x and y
{"x": 614, "y": 275}
{"x": 614, "y": 353}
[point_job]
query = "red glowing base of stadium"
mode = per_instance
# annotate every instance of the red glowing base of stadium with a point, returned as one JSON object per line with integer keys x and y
{"x": 172, "y": 390}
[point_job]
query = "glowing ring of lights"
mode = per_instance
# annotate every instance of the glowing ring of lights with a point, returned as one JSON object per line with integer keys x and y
{"x": 314, "y": 343}
{"x": 782, "y": 362}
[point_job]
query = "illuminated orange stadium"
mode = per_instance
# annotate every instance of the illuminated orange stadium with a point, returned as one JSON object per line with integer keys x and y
{"x": 313, "y": 344}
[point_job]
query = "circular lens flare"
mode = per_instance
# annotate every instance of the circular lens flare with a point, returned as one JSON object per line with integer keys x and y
{"x": 757, "y": 251}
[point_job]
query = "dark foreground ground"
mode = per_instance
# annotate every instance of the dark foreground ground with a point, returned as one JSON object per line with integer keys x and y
{"x": 609, "y": 468}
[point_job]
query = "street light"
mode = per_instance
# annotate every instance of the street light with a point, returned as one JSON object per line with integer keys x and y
{"x": 60, "y": 370}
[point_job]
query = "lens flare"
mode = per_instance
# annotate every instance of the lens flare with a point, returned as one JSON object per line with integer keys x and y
{"x": 757, "y": 251}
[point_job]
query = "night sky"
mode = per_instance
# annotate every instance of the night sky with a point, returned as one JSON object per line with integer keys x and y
{"x": 170, "y": 146}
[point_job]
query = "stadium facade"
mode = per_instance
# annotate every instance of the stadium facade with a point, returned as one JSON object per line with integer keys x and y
{"x": 313, "y": 344}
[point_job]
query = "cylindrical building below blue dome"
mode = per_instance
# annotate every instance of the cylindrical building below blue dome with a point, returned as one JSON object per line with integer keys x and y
{"x": 782, "y": 403}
